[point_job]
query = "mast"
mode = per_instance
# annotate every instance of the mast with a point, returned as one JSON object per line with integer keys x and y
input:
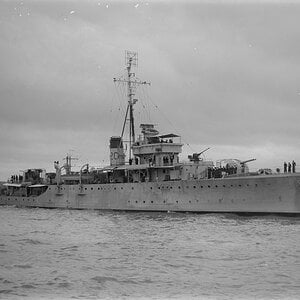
{"x": 131, "y": 60}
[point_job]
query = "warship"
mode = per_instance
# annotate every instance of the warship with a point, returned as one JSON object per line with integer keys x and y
{"x": 149, "y": 176}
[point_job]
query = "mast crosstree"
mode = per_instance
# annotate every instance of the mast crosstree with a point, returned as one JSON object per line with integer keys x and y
{"x": 131, "y": 60}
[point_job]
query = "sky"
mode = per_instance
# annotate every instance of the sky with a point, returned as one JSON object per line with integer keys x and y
{"x": 223, "y": 74}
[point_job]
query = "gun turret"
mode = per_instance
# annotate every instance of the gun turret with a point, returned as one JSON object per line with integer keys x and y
{"x": 196, "y": 156}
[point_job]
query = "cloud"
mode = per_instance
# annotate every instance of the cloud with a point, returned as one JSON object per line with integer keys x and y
{"x": 222, "y": 75}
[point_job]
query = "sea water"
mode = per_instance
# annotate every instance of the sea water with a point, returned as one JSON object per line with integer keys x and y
{"x": 80, "y": 254}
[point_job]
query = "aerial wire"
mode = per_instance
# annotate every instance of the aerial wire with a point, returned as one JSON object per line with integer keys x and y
{"x": 165, "y": 117}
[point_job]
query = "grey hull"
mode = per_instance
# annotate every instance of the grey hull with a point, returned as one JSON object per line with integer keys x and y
{"x": 249, "y": 194}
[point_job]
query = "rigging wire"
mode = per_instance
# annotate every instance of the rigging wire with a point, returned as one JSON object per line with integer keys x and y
{"x": 119, "y": 89}
{"x": 146, "y": 105}
{"x": 165, "y": 117}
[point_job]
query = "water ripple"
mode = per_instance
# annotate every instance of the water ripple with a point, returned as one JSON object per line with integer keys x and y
{"x": 116, "y": 255}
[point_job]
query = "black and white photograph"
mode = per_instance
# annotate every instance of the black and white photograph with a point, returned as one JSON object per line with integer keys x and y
{"x": 149, "y": 149}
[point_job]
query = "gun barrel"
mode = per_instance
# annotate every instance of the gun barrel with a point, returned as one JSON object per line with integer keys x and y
{"x": 203, "y": 151}
{"x": 248, "y": 160}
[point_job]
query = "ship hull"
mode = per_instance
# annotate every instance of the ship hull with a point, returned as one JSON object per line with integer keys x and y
{"x": 248, "y": 194}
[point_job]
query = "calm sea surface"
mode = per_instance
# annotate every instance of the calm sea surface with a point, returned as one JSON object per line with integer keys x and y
{"x": 71, "y": 254}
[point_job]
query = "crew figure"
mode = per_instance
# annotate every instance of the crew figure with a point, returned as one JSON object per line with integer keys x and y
{"x": 294, "y": 166}
{"x": 289, "y": 167}
{"x": 284, "y": 167}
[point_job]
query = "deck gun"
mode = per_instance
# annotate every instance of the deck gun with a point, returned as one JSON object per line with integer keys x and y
{"x": 195, "y": 156}
{"x": 244, "y": 167}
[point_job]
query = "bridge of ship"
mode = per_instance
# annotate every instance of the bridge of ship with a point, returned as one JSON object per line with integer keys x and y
{"x": 155, "y": 159}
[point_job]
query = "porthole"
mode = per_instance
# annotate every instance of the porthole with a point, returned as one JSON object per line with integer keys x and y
{"x": 151, "y": 201}
{"x": 216, "y": 186}
{"x": 176, "y": 201}
{"x": 190, "y": 201}
{"x": 151, "y": 187}
{"x": 92, "y": 188}
{"x": 115, "y": 188}
{"x": 194, "y": 186}
{"x": 208, "y": 186}
{"x": 240, "y": 185}
{"x": 201, "y": 186}
{"x": 128, "y": 201}
{"x": 98, "y": 188}
{"x": 144, "y": 201}
{"x": 136, "y": 202}
{"x": 224, "y": 185}
{"x": 132, "y": 188}
{"x": 159, "y": 187}
{"x": 179, "y": 187}
{"x": 85, "y": 188}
